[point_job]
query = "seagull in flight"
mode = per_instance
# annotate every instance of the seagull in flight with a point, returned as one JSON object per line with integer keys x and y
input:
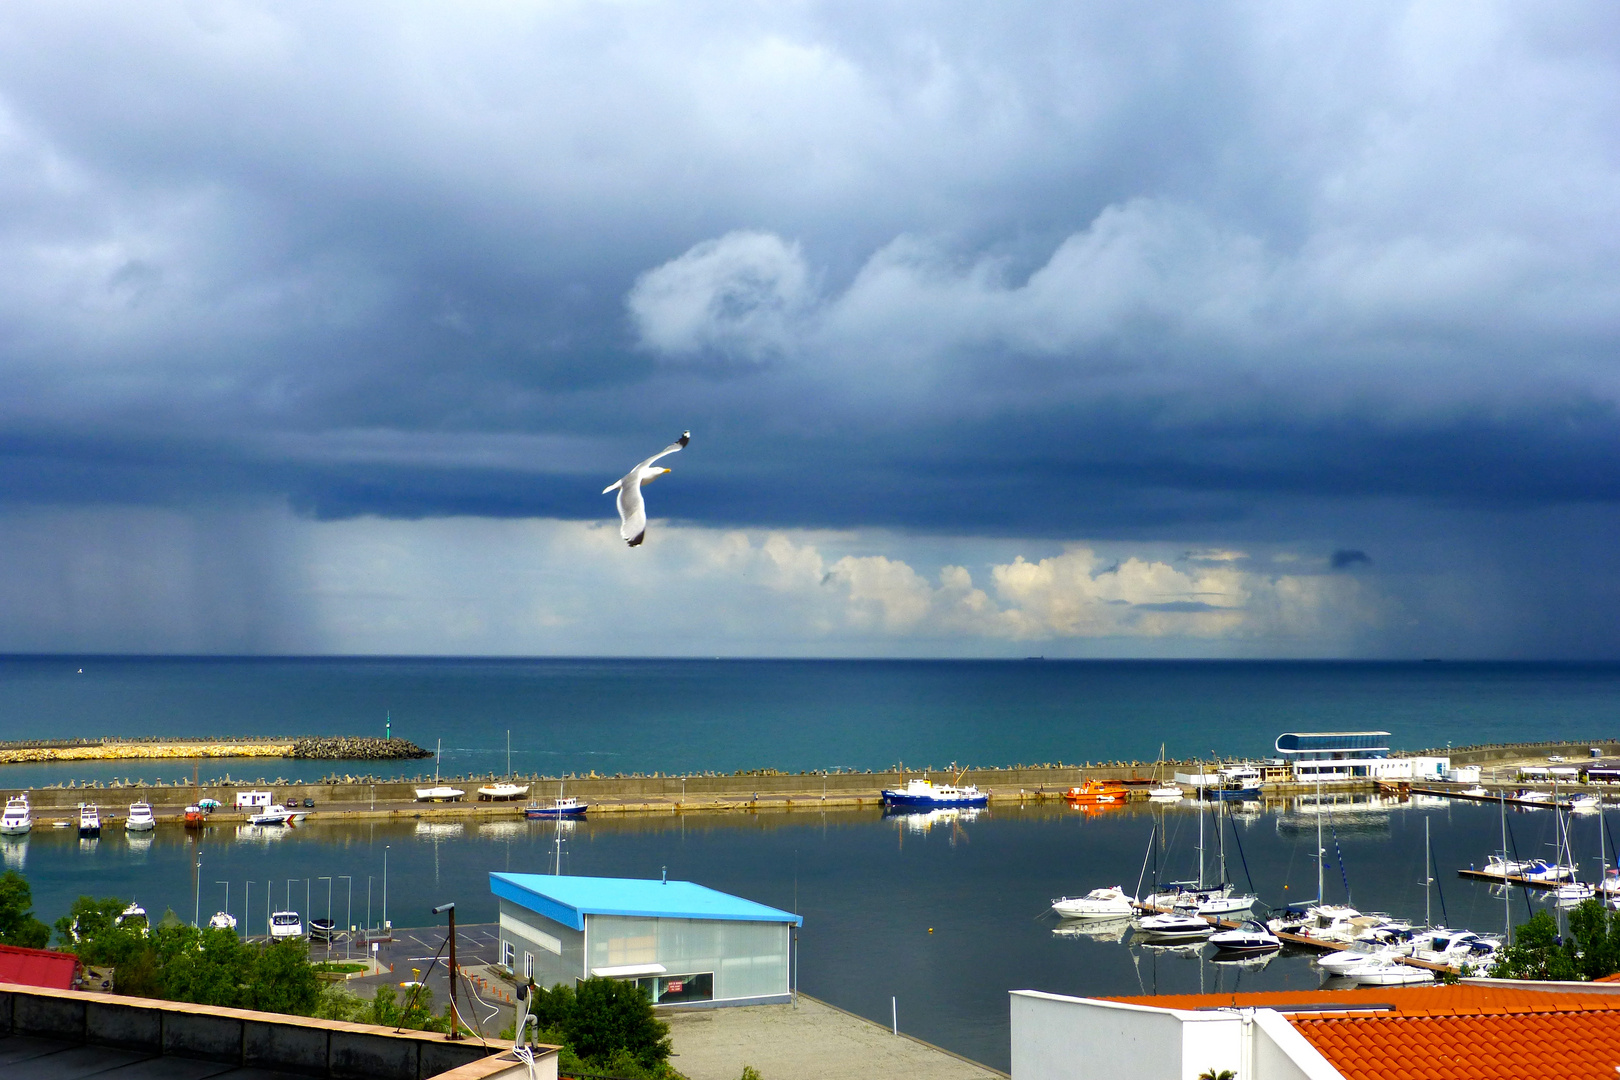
{"x": 632, "y": 510}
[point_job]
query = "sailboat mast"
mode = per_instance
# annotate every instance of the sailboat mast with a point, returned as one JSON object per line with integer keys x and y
{"x": 1201, "y": 844}
{"x": 1321, "y": 852}
{"x": 1220, "y": 832}
{"x": 1507, "y": 890}
{"x": 1428, "y": 877}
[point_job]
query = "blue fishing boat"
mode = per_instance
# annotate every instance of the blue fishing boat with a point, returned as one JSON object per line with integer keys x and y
{"x": 926, "y": 795}
{"x": 559, "y": 808}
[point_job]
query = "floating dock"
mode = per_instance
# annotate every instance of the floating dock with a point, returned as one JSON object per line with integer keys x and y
{"x": 1514, "y": 879}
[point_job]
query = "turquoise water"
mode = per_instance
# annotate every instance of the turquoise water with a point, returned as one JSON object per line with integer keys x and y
{"x": 676, "y": 716}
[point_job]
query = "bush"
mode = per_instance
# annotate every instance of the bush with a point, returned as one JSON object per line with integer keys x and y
{"x": 608, "y": 1024}
{"x": 1590, "y": 950}
{"x": 17, "y": 923}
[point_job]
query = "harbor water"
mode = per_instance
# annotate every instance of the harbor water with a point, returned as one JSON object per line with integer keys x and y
{"x": 943, "y": 913}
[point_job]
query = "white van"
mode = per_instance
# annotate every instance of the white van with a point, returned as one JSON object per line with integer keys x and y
{"x": 252, "y": 800}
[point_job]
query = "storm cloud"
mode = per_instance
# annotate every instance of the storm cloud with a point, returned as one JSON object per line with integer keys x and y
{"x": 963, "y": 288}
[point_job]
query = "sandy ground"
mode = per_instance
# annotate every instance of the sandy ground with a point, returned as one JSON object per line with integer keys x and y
{"x": 810, "y": 1041}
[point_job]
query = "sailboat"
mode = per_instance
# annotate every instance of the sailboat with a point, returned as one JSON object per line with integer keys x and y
{"x": 560, "y": 807}
{"x": 504, "y": 791}
{"x": 1161, "y": 790}
{"x": 1222, "y": 900}
{"x": 438, "y": 792}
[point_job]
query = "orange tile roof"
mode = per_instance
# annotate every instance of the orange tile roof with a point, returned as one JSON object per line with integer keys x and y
{"x": 1407, "y": 1001}
{"x": 1457, "y": 1032}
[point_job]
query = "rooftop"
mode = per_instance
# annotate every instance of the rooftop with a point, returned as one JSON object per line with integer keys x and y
{"x": 568, "y": 900}
{"x": 1467, "y": 1031}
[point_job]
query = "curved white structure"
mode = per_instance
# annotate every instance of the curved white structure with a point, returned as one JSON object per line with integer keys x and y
{"x": 140, "y": 818}
{"x": 17, "y": 818}
{"x": 1108, "y": 903}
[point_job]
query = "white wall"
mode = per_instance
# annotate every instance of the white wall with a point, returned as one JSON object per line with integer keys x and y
{"x": 1065, "y": 1038}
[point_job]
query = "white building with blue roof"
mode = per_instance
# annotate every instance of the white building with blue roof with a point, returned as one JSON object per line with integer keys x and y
{"x": 683, "y": 943}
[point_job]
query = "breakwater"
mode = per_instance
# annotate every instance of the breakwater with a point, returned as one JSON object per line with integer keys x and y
{"x": 329, "y": 748}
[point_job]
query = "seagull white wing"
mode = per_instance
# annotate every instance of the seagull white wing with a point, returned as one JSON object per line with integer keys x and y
{"x": 686, "y": 437}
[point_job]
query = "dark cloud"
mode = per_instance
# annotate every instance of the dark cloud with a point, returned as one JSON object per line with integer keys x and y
{"x": 1344, "y": 558}
{"x": 1055, "y": 271}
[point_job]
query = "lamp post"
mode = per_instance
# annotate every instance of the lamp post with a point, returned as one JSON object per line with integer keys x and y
{"x": 331, "y": 927}
{"x": 385, "y": 887}
{"x": 455, "y": 1012}
{"x": 348, "y": 919}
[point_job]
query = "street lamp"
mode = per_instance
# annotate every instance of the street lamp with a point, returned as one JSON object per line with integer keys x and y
{"x": 455, "y": 1012}
{"x": 348, "y": 920}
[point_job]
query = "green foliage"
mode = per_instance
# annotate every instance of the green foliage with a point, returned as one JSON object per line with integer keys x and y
{"x": 17, "y": 923}
{"x": 605, "y": 1026}
{"x": 413, "y": 1011}
{"x": 1223, "y": 1074}
{"x": 750, "y": 1073}
{"x": 282, "y": 979}
{"x": 1590, "y": 950}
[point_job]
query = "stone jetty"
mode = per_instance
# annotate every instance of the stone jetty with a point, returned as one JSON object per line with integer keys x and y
{"x": 323, "y": 747}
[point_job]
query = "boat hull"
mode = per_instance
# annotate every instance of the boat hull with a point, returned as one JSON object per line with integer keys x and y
{"x": 931, "y": 802}
{"x": 16, "y": 830}
{"x": 546, "y": 813}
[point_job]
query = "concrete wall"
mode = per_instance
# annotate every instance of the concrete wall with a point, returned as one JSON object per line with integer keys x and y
{"x": 558, "y": 950}
{"x": 236, "y": 1036}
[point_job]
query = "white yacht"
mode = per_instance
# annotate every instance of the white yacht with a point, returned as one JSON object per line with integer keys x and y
{"x": 286, "y": 924}
{"x": 1109, "y": 903}
{"x": 89, "y": 820}
{"x": 1585, "y": 804}
{"x": 1347, "y": 960}
{"x": 222, "y": 920}
{"x": 1174, "y": 927}
{"x": 17, "y": 818}
{"x": 140, "y": 818}
{"x": 1390, "y": 973}
{"x": 1251, "y": 937}
{"x": 275, "y": 815}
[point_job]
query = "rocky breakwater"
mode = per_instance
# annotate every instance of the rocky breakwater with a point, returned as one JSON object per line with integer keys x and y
{"x": 327, "y": 748}
{"x": 353, "y": 748}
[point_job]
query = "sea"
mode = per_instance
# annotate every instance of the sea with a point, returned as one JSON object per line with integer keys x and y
{"x": 930, "y": 918}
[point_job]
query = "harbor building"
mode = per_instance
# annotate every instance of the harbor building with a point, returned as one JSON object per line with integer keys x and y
{"x": 1333, "y": 755}
{"x": 682, "y": 943}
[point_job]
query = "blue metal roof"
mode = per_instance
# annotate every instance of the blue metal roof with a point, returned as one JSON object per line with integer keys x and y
{"x": 568, "y": 900}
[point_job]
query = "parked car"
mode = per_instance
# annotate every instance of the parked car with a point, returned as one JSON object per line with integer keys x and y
{"x": 309, "y": 803}
{"x": 292, "y": 804}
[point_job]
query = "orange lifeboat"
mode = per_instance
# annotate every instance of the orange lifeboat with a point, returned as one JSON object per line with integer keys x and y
{"x": 1095, "y": 792}
{"x": 195, "y": 817}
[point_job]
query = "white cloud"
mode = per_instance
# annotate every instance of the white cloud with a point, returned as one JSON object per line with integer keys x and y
{"x": 740, "y": 296}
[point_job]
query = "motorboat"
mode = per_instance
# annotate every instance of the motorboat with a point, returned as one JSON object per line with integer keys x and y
{"x": 1476, "y": 792}
{"x": 1453, "y": 947}
{"x": 1574, "y": 892}
{"x": 1585, "y": 804}
{"x": 502, "y": 792}
{"x": 195, "y": 817}
{"x": 1331, "y": 922}
{"x": 1108, "y": 903}
{"x": 140, "y": 818}
{"x": 439, "y": 793}
{"x": 560, "y": 807}
{"x": 222, "y": 920}
{"x": 17, "y": 819}
{"x": 89, "y": 820}
{"x": 1496, "y": 866}
{"x": 1250, "y": 936}
{"x": 285, "y": 925}
{"x": 1174, "y": 927}
{"x": 1389, "y": 973}
{"x": 130, "y": 914}
{"x": 1347, "y": 960}
{"x": 1610, "y": 885}
{"x": 322, "y": 930}
{"x": 926, "y": 795}
{"x": 275, "y": 815}
{"x": 1099, "y": 791}
{"x": 1537, "y": 798}
{"x": 1542, "y": 870}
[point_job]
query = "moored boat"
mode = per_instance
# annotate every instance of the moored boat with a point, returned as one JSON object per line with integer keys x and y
{"x": 140, "y": 818}
{"x": 17, "y": 818}
{"x": 439, "y": 793}
{"x": 195, "y": 817}
{"x": 285, "y": 925}
{"x": 89, "y": 820}
{"x": 1106, "y": 903}
{"x": 560, "y": 807}
{"x": 926, "y": 795}
{"x": 1099, "y": 791}
{"x": 1174, "y": 927}
{"x": 1250, "y": 936}
{"x": 222, "y": 920}
{"x": 1389, "y": 973}
{"x": 502, "y": 792}
{"x": 276, "y": 815}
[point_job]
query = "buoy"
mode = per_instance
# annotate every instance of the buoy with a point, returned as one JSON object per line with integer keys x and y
{"x": 930, "y": 929}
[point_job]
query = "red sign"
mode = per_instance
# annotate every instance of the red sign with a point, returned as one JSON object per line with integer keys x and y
{"x": 673, "y": 986}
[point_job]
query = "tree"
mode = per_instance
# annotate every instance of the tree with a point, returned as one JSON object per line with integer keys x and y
{"x": 208, "y": 967}
{"x": 282, "y": 979}
{"x": 17, "y": 923}
{"x": 1590, "y": 950}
